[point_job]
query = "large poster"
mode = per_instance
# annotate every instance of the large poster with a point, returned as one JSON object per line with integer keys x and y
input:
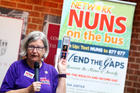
{"x": 52, "y": 35}
{"x": 13, "y": 25}
{"x": 9, "y": 42}
{"x": 100, "y": 32}
{"x": 51, "y": 29}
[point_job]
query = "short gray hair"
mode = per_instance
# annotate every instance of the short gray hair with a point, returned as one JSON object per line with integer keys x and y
{"x": 33, "y": 36}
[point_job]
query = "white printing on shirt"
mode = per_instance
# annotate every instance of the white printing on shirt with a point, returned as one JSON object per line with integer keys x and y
{"x": 29, "y": 74}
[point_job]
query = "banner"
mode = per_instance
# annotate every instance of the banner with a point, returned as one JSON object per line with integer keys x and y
{"x": 9, "y": 42}
{"x": 51, "y": 28}
{"x": 100, "y": 32}
{"x": 13, "y": 25}
{"x": 52, "y": 35}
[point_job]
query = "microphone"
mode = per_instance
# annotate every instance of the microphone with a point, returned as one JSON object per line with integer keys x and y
{"x": 36, "y": 69}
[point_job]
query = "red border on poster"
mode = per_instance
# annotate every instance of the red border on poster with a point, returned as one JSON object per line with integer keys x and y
{"x": 52, "y": 35}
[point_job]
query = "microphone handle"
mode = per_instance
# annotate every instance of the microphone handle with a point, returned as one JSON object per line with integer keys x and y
{"x": 36, "y": 74}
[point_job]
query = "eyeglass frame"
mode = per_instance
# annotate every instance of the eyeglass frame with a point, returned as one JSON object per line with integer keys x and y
{"x": 38, "y": 48}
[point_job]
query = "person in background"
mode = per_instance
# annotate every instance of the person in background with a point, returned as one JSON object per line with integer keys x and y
{"x": 20, "y": 75}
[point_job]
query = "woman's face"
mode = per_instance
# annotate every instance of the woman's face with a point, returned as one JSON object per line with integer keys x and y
{"x": 35, "y": 51}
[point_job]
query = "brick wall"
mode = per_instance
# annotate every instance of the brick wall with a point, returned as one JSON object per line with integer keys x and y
{"x": 132, "y": 84}
{"x": 38, "y": 8}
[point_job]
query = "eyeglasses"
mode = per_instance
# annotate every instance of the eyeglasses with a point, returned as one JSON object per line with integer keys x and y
{"x": 37, "y": 48}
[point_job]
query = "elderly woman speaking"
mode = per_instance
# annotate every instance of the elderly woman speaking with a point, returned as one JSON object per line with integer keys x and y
{"x": 20, "y": 77}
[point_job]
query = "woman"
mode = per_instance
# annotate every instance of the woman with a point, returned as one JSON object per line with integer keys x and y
{"x": 20, "y": 76}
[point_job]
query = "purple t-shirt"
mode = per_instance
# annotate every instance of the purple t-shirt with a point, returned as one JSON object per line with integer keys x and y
{"x": 20, "y": 75}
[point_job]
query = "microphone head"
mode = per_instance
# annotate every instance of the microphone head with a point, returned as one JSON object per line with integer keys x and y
{"x": 36, "y": 65}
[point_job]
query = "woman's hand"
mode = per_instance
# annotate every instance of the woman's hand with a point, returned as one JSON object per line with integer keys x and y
{"x": 62, "y": 66}
{"x": 35, "y": 87}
